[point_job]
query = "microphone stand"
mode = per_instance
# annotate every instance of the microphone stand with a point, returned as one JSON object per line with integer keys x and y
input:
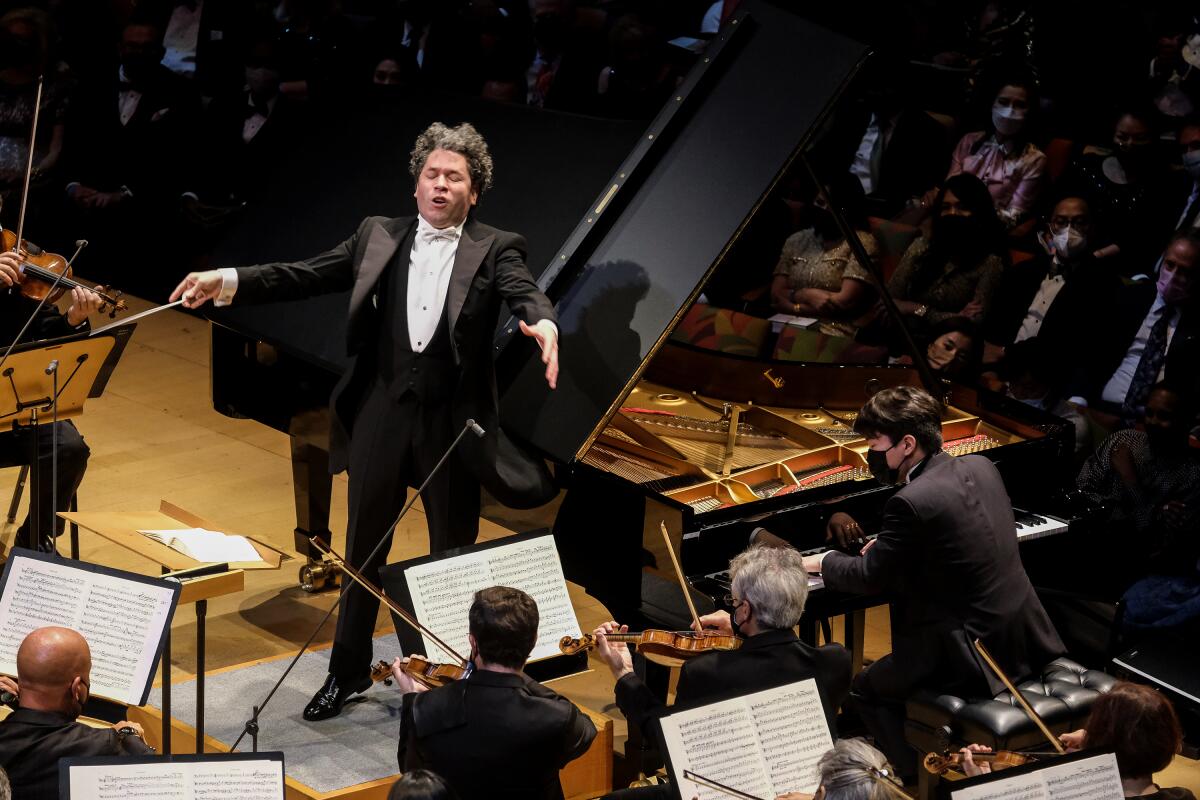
{"x": 251, "y": 727}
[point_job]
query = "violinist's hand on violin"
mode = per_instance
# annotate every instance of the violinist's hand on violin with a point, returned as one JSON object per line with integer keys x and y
{"x": 617, "y": 656}
{"x": 10, "y": 268}
{"x": 83, "y": 303}
{"x": 970, "y": 766}
{"x": 198, "y": 288}
{"x": 716, "y": 622}
{"x": 9, "y": 685}
{"x": 1073, "y": 741}
{"x": 405, "y": 682}
{"x": 844, "y": 531}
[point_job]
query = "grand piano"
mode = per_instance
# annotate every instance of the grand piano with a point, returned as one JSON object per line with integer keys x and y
{"x": 646, "y": 430}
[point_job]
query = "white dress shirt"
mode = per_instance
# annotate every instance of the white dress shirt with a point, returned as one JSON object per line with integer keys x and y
{"x": 1118, "y": 385}
{"x": 127, "y": 99}
{"x": 180, "y": 37}
{"x": 255, "y": 121}
{"x": 861, "y": 166}
{"x": 429, "y": 267}
{"x": 1036, "y": 315}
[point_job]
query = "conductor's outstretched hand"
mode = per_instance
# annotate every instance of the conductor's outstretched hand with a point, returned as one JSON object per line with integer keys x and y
{"x": 546, "y": 335}
{"x": 198, "y": 288}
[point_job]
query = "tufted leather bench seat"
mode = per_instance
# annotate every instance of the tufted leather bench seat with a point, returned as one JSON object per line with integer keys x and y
{"x": 1062, "y": 696}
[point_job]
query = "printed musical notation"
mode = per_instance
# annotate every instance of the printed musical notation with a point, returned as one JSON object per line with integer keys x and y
{"x": 257, "y": 779}
{"x": 122, "y": 620}
{"x": 442, "y": 592}
{"x": 1092, "y": 778}
{"x": 764, "y": 744}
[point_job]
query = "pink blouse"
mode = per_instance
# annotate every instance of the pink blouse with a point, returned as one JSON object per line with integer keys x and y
{"x": 1012, "y": 178}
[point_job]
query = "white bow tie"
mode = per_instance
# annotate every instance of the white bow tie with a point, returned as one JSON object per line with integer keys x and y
{"x": 430, "y": 235}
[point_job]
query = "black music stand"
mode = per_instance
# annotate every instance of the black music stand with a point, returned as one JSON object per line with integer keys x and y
{"x": 49, "y": 381}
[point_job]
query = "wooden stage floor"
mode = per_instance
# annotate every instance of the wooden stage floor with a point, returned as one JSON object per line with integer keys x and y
{"x": 154, "y": 435}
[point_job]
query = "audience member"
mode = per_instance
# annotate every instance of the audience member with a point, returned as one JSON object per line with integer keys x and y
{"x": 317, "y": 51}
{"x": 518, "y": 733}
{"x": 1134, "y": 197}
{"x": 5, "y": 786}
{"x": 203, "y": 40}
{"x": 818, "y": 274}
{"x": 420, "y": 784}
{"x": 955, "y": 271}
{"x": 1173, "y": 84}
{"x": 1059, "y": 296}
{"x": 953, "y": 348}
{"x": 26, "y": 37}
{"x": 1002, "y": 156}
{"x": 54, "y": 668}
{"x": 638, "y": 77}
{"x": 1152, "y": 335}
{"x": 569, "y": 53}
{"x": 1189, "y": 147}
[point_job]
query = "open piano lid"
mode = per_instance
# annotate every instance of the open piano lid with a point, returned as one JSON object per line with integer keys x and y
{"x": 634, "y": 264}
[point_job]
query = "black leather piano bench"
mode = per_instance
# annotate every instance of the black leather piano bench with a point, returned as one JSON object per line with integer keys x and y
{"x": 1062, "y": 696}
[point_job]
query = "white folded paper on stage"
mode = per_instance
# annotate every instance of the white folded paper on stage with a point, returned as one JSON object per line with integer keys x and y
{"x": 763, "y": 744}
{"x": 210, "y": 547}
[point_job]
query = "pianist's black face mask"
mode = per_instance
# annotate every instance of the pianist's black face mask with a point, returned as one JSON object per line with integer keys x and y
{"x": 877, "y": 462}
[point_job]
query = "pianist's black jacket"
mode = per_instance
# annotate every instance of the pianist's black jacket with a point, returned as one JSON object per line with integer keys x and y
{"x": 764, "y": 661}
{"x": 947, "y": 550}
{"x": 489, "y": 267}
{"x": 32, "y": 742}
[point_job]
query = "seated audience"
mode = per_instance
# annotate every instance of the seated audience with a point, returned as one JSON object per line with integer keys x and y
{"x": 769, "y": 590}
{"x": 638, "y": 77}
{"x": 953, "y": 348}
{"x": 947, "y": 509}
{"x": 518, "y": 733}
{"x": 1059, "y": 296}
{"x": 569, "y": 52}
{"x": 54, "y": 667}
{"x": 818, "y": 274}
{"x": 1134, "y": 722}
{"x": 1189, "y": 155}
{"x": 1133, "y": 195}
{"x": 420, "y": 784}
{"x": 1002, "y": 156}
{"x": 1035, "y": 375}
{"x": 1147, "y": 478}
{"x": 203, "y": 41}
{"x": 952, "y": 273}
{"x": 5, "y": 786}
{"x": 1174, "y": 84}
{"x": 1151, "y": 335}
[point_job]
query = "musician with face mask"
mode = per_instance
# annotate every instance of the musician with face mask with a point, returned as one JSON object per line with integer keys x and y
{"x": 1054, "y": 297}
{"x": 947, "y": 553}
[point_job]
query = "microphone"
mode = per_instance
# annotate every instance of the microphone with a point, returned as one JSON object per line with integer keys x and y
{"x": 475, "y": 429}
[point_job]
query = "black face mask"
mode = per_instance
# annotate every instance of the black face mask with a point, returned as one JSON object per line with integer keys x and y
{"x": 877, "y": 463}
{"x": 140, "y": 66}
{"x": 734, "y": 624}
{"x": 1163, "y": 440}
{"x": 17, "y": 52}
{"x": 957, "y": 233}
{"x": 825, "y": 225}
{"x": 549, "y": 31}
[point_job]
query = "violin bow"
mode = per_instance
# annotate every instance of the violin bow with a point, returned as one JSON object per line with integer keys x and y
{"x": 1028, "y": 709}
{"x": 37, "y": 109}
{"x": 362, "y": 581}
{"x": 717, "y": 786}
{"x": 662, "y": 526}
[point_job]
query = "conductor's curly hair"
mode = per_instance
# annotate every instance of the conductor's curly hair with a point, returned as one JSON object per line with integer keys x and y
{"x": 462, "y": 139}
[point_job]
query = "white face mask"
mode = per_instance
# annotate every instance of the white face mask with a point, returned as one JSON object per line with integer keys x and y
{"x": 1191, "y": 162}
{"x": 1068, "y": 243}
{"x": 1008, "y": 120}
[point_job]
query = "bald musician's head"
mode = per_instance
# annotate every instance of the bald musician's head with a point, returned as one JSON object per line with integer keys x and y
{"x": 54, "y": 667}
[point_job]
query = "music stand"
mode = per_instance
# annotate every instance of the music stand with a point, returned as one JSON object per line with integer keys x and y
{"x": 50, "y": 380}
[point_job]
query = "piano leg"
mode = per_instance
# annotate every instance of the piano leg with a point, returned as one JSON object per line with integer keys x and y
{"x": 313, "y": 485}
{"x": 855, "y": 624}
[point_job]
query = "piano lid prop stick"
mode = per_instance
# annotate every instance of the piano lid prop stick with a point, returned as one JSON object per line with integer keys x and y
{"x": 1028, "y": 709}
{"x": 720, "y": 787}
{"x": 662, "y": 526}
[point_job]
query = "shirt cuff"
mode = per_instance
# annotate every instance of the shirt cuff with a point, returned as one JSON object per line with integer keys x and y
{"x": 1078, "y": 401}
{"x": 549, "y": 322}
{"x": 229, "y": 285}
{"x": 821, "y": 559}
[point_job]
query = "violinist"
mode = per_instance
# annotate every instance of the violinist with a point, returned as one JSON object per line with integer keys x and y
{"x": 948, "y": 552}
{"x": 770, "y": 588}
{"x": 17, "y": 447}
{"x": 496, "y": 734}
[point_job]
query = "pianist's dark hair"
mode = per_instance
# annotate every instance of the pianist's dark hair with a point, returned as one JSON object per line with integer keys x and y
{"x": 421, "y": 784}
{"x": 1136, "y": 723}
{"x": 504, "y": 622}
{"x": 462, "y": 139}
{"x": 901, "y": 411}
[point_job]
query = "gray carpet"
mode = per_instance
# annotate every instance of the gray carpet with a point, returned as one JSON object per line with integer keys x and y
{"x": 357, "y": 746}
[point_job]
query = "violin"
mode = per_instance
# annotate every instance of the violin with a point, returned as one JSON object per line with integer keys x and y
{"x": 672, "y": 644}
{"x": 433, "y": 675}
{"x": 938, "y": 764}
{"x": 39, "y": 270}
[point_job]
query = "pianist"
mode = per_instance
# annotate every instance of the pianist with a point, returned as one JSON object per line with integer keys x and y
{"x": 426, "y": 296}
{"x": 948, "y": 554}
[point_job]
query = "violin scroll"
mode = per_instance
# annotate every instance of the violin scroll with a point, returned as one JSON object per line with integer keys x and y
{"x": 570, "y": 645}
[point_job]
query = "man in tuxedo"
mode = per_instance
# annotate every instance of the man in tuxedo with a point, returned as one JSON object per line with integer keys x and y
{"x": 496, "y": 734}
{"x": 425, "y": 297}
{"x": 17, "y": 447}
{"x": 54, "y": 668}
{"x": 947, "y": 551}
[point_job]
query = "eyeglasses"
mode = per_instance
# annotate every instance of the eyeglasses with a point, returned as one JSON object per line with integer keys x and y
{"x": 730, "y": 601}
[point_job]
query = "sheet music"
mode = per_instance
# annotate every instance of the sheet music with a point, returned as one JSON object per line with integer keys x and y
{"x": 257, "y": 779}
{"x": 442, "y": 592}
{"x": 122, "y": 620}
{"x": 1094, "y": 778}
{"x": 765, "y": 744}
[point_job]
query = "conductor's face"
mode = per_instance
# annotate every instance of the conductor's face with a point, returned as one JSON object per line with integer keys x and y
{"x": 444, "y": 192}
